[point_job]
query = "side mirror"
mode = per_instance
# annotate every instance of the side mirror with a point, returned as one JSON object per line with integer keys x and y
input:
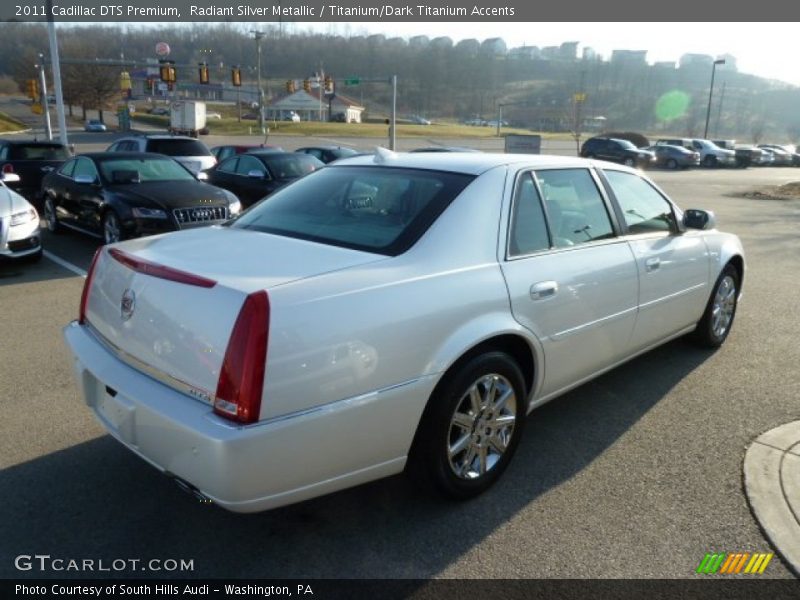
{"x": 256, "y": 174}
{"x": 10, "y": 178}
{"x": 202, "y": 176}
{"x": 695, "y": 218}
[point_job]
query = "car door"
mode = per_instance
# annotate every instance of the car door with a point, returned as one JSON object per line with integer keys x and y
{"x": 58, "y": 188}
{"x": 223, "y": 175}
{"x": 253, "y": 180}
{"x": 572, "y": 281}
{"x": 673, "y": 265}
{"x": 86, "y": 196}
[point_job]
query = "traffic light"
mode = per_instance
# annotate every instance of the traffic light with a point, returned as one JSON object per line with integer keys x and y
{"x": 166, "y": 71}
{"x": 307, "y": 85}
{"x": 202, "y": 73}
{"x": 236, "y": 77}
{"x": 328, "y": 84}
{"x": 32, "y": 88}
{"x": 125, "y": 81}
{"x": 290, "y": 87}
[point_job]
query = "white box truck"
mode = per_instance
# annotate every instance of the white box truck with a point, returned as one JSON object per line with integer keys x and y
{"x": 187, "y": 117}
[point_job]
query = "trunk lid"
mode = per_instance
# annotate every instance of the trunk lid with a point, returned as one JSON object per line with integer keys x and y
{"x": 178, "y": 332}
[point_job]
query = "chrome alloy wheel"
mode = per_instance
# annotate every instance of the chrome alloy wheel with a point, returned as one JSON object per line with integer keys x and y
{"x": 482, "y": 426}
{"x": 111, "y": 228}
{"x": 50, "y": 215}
{"x": 723, "y": 307}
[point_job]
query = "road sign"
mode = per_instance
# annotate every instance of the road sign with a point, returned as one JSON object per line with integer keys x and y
{"x": 36, "y": 108}
{"x": 162, "y": 49}
{"x": 352, "y": 81}
{"x": 579, "y": 96}
{"x": 131, "y": 107}
{"x": 523, "y": 144}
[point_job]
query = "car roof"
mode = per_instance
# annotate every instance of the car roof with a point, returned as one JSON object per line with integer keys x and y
{"x": 157, "y": 136}
{"x": 33, "y": 143}
{"x": 326, "y": 147}
{"x": 472, "y": 163}
{"x": 122, "y": 155}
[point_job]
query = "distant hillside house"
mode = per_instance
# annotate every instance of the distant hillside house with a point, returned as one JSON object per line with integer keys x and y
{"x": 629, "y": 57}
{"x": 311, "y": 107}
{"x": 524, "y": 52}
{"x": 494, "y": 46}
{"x": 470, "y": 46}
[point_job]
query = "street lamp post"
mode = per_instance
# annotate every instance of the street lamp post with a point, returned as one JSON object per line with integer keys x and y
{"x": 721, "y": 61}
{"x": 257, "y": 36}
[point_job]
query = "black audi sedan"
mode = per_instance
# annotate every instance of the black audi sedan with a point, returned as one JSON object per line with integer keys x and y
{"x": 120, "y": 195}
{"x": 256, "y": 174}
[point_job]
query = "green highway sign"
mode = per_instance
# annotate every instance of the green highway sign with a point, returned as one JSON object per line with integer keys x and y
{"x": 352, "y": 81}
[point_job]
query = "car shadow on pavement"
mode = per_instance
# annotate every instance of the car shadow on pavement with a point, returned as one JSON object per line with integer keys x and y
{"x": 97, "y": 500}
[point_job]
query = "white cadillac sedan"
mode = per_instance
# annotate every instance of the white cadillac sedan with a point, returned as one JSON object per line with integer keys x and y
{"x": 19, "y": 224}
{"x": 389, "y": 312}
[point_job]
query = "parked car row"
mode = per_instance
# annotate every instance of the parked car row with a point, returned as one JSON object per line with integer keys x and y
{"x": 682, "y": 153}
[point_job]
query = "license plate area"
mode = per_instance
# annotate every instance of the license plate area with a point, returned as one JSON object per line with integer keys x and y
{"x": 116, "y": 412}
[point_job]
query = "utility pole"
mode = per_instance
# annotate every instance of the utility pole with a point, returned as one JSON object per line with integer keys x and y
{"x": 257, "y": 36}
{"x": 43, "y": 93}
{"x": 719, "y": 108}
{"x": 393, "y": 128}
{"x": 56, "y": 66}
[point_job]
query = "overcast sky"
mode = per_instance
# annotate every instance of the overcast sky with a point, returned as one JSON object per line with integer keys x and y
{"x": 764, "y": 49}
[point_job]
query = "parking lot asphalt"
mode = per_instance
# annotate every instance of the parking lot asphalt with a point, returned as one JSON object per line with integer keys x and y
{"x": 636, "y": 474}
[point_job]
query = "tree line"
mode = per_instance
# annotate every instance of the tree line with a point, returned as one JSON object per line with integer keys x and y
{"x": 437, "y": 81}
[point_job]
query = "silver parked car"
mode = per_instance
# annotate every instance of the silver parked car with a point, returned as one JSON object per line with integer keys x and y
{"x": 389, "y": 312}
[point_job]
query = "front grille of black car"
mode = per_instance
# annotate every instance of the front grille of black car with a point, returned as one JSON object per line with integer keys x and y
{"x": 200, "y": 214}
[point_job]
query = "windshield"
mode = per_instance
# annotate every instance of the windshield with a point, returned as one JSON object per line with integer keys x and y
{"x": 376, "y": 209}
{"x": 177, "y": 147}
{"x": 133, "y": 170}
{"x": 627, "y": 145}
{"x": 284, "y": 166}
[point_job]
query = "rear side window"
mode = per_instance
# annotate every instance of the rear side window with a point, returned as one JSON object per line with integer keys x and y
{"x": 39, "y": 152}
{"x": 292, "y": 165}
{"x": 177, "y": 147}
{"x": 375, "y": 209}
{"x": 575, "y": 209}
{"x": 528, "y": 228}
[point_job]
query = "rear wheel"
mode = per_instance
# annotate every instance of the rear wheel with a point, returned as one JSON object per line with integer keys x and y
{"x": 716, "y": 322}
{"x": 629, "y": 162}
{"x": 471, "y": 427}
{"x": 672, "y": 164}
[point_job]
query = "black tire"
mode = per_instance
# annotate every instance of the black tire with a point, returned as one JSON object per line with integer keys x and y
{"x": 672, "y": 164}
{"x": 430, "y": 462}
{"x": 629, "y": 162}
{"x": 710, "y": 161}
{"x": 111, "y": 221}
{"x": 53, "y": 226}
{"x": 709, "y": 332}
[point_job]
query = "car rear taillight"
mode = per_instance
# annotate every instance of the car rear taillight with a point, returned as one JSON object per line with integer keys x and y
{"x": 8, "y": 168}
{"x": 241, "y": 378}
{"x": 86, "y": 285}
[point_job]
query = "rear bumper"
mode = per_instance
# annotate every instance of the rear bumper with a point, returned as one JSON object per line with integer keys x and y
{"x": 248, "y": 469}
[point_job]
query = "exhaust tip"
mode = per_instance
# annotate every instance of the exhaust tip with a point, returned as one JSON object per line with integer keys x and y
{"x": 187, "y": 487}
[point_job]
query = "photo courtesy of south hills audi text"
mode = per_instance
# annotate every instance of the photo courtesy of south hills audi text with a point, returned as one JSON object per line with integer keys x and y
{"x": 162, "y": 589}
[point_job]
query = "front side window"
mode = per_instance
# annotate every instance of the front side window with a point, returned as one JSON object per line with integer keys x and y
{"x": 528, "y": 227}
{"x": 248, "y": 164}
{"x": 67, "y": 169}
{"x": 84, "y": 167}
{"x": 376, "y": 209}
{"x": 644, "y": 209}
{"x": 575, "y": 209}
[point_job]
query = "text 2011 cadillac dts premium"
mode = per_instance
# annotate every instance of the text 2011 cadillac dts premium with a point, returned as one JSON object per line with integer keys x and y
{"x": 389, "y": 313}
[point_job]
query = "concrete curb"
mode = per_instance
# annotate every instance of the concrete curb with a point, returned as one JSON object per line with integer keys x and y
{"x": 772, "y": 483}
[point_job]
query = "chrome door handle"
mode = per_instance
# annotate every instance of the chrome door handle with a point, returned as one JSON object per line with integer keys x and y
{"x": 652, "y": 264}
{"x": 543, "y": 290}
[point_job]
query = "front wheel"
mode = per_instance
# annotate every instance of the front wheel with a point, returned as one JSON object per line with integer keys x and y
{"x": 471, "y": 427}
{"x": 112, "y": 228}
{"x": 629, "y": 162}
{"x": 717, "y": 320}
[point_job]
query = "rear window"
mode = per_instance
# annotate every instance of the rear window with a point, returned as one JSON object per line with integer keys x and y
{"x": 375, "y": 209}
{"x": 172, "y": 147}
{"x": 39, "y": 152}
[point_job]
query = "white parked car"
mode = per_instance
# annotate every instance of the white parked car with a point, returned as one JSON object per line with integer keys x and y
{"x": 19, "y": 224}
{"x": 389, "y": 312}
